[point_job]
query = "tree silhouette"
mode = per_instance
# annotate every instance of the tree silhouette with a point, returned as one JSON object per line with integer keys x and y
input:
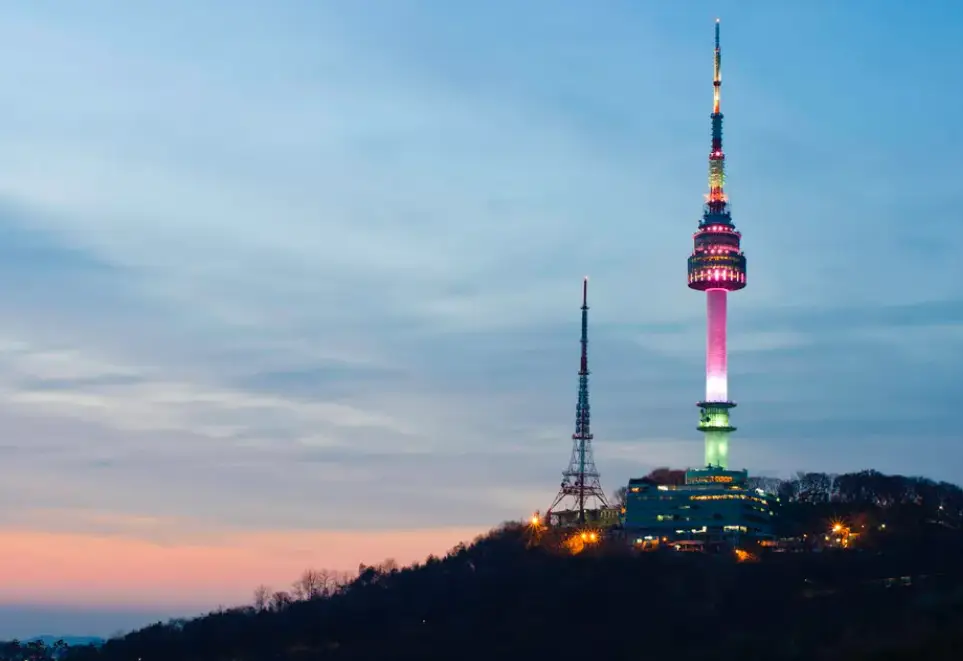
{"x": 262, "y": 597}
{"x": 618, "y": 496}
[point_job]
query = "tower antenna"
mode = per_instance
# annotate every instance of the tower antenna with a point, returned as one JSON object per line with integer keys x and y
{"x": 717, "y": 76}
{"x": 580, "y": 481}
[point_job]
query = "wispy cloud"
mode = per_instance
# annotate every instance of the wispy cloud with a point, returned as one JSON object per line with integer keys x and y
{"x": 317, "y": 267}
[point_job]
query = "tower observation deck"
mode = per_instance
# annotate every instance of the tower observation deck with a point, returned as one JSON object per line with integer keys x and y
{"x": 717, "y": 266}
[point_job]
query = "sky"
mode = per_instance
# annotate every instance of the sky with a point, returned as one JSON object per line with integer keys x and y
{"x": 296, "y": 284}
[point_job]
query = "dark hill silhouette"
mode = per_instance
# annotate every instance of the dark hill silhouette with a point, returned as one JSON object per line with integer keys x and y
{"x": 512, "y": 594}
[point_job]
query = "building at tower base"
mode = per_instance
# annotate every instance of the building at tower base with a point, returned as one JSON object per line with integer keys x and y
{"x": 713, "y": 506}
{"x": 599, "y": 517}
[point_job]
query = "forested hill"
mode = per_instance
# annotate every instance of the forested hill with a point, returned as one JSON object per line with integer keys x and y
{"x": 516, "y": 593}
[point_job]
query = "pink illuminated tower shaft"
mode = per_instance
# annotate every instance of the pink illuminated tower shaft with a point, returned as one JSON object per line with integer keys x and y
{"x": 717, "y": 267}
{"x": 717, "y": 386}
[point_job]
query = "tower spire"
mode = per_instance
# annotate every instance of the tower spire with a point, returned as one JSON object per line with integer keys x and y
{"x": 716, "y": 200}
{"x": 717, "y": 76}
{"x": 582, "y": 408}
{"x": 580, "y": 480}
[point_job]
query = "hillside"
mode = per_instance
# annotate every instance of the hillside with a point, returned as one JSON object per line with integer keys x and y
{"x": 514, "y": 593}
{"x": 499, "y": 599}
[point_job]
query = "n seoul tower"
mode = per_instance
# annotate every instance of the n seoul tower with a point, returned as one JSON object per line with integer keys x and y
{"x": 717, "y": 267}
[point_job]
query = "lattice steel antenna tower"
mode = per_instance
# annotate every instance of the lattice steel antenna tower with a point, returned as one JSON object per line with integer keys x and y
{"x": 717, "y": 267}
{"x": 580, "y": 481}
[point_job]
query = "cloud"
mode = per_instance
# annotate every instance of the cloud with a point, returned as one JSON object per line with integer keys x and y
{"x": 318, "y": 268}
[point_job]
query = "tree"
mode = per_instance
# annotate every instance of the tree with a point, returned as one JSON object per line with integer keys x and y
{"x": 280, "y": 600}
{"x": 262, "y": 595}
{"x": 666, "y": 476}
{"x": 789, "y": 491}
{"x": 390, "y": 565}
{"x": 35, "y": 649}
{"x": 815, "y": 487}
{"x": 618, "y": 496}
{"x": 312, "y": 584}
{"x": 768, "y": 484}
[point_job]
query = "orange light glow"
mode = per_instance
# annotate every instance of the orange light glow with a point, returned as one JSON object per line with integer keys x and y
{"x": 744, "y": 556}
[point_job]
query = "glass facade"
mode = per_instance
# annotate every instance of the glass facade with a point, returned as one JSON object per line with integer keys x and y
{"x": 713, "y": 505}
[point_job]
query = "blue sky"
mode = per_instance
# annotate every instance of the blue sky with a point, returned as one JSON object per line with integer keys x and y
{"x": 316, "y": 265}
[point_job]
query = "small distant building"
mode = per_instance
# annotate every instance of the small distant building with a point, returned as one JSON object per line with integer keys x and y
{"x": 713, "y": 506}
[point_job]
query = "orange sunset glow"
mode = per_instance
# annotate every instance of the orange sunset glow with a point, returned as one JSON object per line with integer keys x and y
{"x": 213, "y": 570}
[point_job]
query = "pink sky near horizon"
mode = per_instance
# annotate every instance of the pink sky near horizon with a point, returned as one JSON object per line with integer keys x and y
{"x": 85, "y": 569}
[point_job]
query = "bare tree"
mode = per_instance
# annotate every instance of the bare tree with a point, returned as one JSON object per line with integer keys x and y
{"x": 339, "y": 579}
{"x": 280, "y": 600}
{"x": 770, "y": 485}
{"x": 388, "y": 566}
{"x": 618, "y": 496}
{"x": 312, "y": 584}
{"x": 814, "y": 487}
{"x": 262, "y": 596}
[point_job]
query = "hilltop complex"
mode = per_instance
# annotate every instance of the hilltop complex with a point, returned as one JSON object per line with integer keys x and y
{"x": 715, "y": 504}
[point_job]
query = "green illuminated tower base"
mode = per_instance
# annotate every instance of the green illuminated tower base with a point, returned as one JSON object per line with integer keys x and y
{"x": 714, "y": 423}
